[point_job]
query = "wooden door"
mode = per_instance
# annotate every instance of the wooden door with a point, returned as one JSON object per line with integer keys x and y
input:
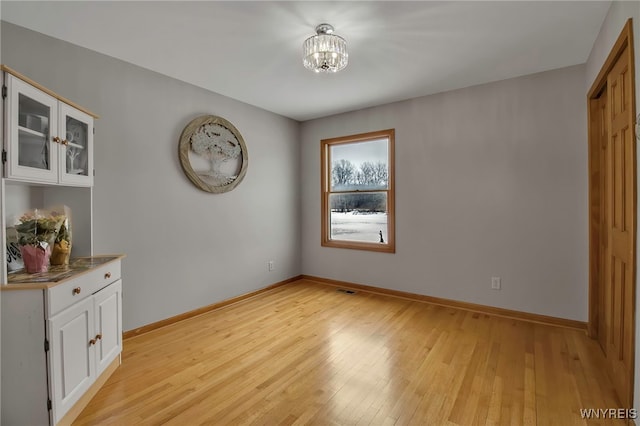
{"x": 620, "y": 217}
{"x": 612, "y": 203}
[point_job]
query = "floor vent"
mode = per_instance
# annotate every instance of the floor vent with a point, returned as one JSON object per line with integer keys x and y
{"x": 344, "y": 290}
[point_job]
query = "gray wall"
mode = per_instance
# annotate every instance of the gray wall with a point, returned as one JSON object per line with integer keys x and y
{"x": 617, "y": 16}
{"x": 491, "y": 181}
{"x": 185, "y": 248}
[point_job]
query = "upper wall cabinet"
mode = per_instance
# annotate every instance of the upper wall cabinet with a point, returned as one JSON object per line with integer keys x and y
{"x": 46, "y": 140}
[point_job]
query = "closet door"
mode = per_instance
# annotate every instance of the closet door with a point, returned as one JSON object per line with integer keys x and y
{"x": 619, "y": 259}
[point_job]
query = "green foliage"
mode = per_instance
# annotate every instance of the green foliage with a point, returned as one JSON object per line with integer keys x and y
{"x": 35, "y": 228}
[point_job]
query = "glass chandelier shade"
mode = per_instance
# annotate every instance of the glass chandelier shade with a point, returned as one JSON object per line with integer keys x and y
{"x": 325, "y": 51}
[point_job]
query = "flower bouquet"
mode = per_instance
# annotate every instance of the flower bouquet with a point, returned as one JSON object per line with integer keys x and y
{"x": 37, "y": 230}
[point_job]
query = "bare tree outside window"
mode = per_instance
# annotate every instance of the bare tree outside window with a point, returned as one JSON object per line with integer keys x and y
{"x": 343, "y": 173}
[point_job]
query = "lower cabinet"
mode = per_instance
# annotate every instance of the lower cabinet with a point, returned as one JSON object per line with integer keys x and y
{"x": 108, "y": 307}
{"x": 71, "y": 358}
{"x": 84, "y": 340}
{"x": 59, "y": 343}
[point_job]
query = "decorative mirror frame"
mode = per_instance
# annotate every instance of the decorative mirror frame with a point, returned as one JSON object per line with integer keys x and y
{"x": 185, "y": 147}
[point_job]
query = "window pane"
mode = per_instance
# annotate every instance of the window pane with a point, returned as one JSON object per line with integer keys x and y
{"x": 33, "y": 133}
{"x": 360, "y": 165}
{"x": 359, "y": 217}
{"x": 77, "y": 136}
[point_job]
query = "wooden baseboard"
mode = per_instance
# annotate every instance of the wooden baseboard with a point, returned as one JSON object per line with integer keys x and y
{"x": 163, "y": 323}
{"x": 77, "y": 408}
{"x": 490, "y": 310}
{"x": 507, "y": 313}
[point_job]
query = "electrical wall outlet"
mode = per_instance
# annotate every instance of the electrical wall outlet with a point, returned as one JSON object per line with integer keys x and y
{"x": 272, "y": 265}
{"x": 496, "y": 283}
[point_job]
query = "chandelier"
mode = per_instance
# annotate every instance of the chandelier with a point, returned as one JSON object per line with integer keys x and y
{"x": 325, "y": 51}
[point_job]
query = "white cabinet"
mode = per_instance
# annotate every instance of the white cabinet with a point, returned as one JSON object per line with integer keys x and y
{"x": 72, "y": 359}
{"x": 46, "y": 140}
{"x": 61, "y": 334}
{"x": 60, "y": 342}
{"x": 84, "y": 340}
{"x": 108, "y": 326}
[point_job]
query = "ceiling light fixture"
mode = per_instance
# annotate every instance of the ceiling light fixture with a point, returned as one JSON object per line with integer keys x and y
{"x": 325, "y": 51}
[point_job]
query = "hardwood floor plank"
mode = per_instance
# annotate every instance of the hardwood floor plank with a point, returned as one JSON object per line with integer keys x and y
{"x": 305, "y": 354}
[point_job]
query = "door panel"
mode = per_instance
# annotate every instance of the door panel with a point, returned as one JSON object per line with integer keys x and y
{"x": 612, "y": 210}
{"x": 619, "y": 208}
{"x": 108, "y": 304}
{"x": 72, "y": 358}
{"x": 603, "y": 256}
{"x": 31, "y": 118}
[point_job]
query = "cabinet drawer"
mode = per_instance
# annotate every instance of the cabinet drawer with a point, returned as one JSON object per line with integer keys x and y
{"x": 64, "y": 295}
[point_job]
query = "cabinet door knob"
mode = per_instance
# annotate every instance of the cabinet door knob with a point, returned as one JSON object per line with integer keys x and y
{"x": 76, "y": 290}
{"x": 64, "y": 142}
{"x": 56, "y": 139}
{"x": 92, "y": 342}
{"x": 98, "y": 336}
{"x": 107, "y": 275}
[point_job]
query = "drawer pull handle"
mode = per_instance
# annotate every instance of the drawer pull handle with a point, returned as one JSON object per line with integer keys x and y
{"x": 95, "y": 339}
{"x": 76, "y": 290}
{"x": 107, "y": 275}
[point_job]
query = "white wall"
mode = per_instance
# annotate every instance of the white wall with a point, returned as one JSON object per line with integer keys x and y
{"x": 491, "y": 180}
{"x": 185, "y": 248}
{"x": 609, "y": 32}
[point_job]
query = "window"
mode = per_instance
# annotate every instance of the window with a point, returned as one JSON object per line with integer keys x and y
{"x": 358, "y": 192}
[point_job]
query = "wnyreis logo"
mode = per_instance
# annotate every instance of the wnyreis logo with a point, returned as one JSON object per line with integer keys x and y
{"x": 608, "y": 413}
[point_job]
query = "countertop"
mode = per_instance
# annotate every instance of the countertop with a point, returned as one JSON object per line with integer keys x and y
{"x": 57, "y": 274}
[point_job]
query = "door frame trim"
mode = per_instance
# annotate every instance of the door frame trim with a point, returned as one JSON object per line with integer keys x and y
{"x": 625, "y": 39}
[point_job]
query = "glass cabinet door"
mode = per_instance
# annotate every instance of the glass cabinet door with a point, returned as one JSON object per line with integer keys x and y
{"x": 75, "y": 155}
{"x": 32, "y": 124}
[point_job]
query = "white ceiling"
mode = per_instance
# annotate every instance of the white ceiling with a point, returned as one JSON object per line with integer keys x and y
{"x": 251, "y": 51}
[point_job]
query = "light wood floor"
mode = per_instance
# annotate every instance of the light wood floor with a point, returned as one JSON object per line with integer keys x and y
{"x": 304, "y": 353}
